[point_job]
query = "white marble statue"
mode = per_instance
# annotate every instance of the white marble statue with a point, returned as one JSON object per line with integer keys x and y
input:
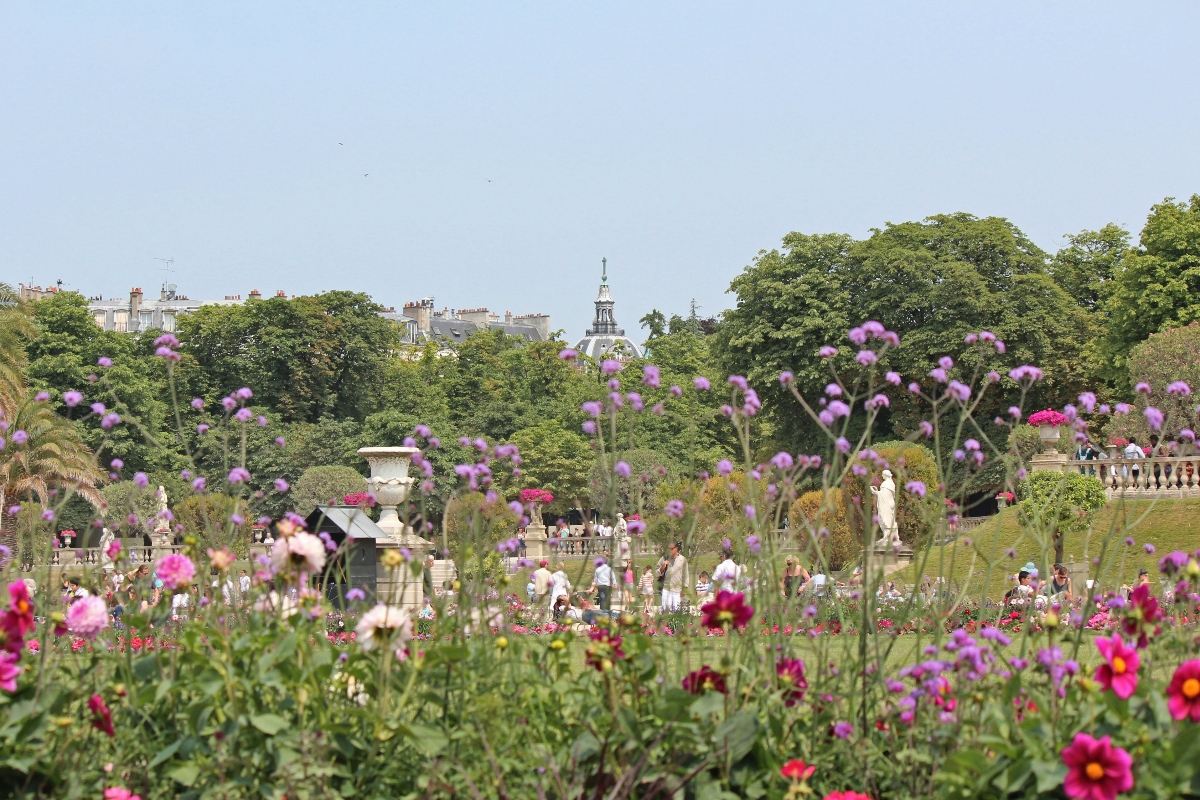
{"x": 161, "y": 523}
{"x": 621, "y": 540}
{"x": 885, "y": 510}
{"x": 106, "y": 538}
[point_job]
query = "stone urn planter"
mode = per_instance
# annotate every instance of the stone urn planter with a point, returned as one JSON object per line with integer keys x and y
{"x": 391, "y": 485}
{"x": 1049, "y": 434}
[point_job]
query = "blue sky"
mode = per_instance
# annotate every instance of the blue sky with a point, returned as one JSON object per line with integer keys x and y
{"x": 676, "y": 139}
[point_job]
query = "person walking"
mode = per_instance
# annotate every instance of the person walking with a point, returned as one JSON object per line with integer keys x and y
{"x": 541, "y": 585}
{"x": 675, "y": 579}
{"x": 647, "y": 589}
{"x": 725, "y": 576}
{"x": 602, "y": 583}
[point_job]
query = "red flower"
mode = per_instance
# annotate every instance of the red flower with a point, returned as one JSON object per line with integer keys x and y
{"x": 847, "y": 795}
{"x": 1143, "y": 613}
{"x": 20, "y": 606}
{"x": 703, "y": 680}
{"x": 791, "y": 675}
{"x": 1095, "y": 769}
{"x": 101, "y": 716}
{"x": 797, "y": 770}
{"x": 1119, "y": 672}
{"x": 728, "y": 609}
{"x": 1183, "y": 692}
{"x": 11, "y": 637}
{"x": 604, "y": 650}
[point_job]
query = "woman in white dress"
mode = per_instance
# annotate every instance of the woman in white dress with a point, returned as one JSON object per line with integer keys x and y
{"x": 560, "y": 584}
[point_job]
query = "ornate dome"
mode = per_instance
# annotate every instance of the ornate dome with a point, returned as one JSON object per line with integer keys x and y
{"x": 604, "y": 338}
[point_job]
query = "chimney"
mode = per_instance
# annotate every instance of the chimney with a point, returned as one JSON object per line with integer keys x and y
{"x": 508, "y": 318}
{"x": 255, "y": 294}
{"x": 281, "y": 293}
{"x": 421, "y": 312}
{"x": 135, "y": 303}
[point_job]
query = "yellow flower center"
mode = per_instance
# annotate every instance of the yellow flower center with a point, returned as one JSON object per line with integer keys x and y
{"x": 22, "y": 606}
{"x": 1191, "y": 688}
{"x": 1118, "y": 665}
{"x": 725, "y": 617}
{"x": 1094, "y": 771}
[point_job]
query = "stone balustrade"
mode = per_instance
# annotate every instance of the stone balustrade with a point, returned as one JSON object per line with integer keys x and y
{"x": 92, "y": 557}
{"x": 1158, "y": 477}
{"x": 600, "y": 546}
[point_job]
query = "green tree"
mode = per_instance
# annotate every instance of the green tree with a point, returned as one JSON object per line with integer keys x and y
{"x": 1158, "y": 285}
{"x": 1086, "y": 267}
{"x": 52, "y": 459}
{"x": 1163, "y": 358}
{"x": 1060, "y": 503}
{"x": 656, "y": 322}
{"x": 16, "y": 330}
{"x": 321, "y": 485}
{"x": 555, "y": 459}
{"x": 790, "y": 303}
{"x": 611, "y": 493}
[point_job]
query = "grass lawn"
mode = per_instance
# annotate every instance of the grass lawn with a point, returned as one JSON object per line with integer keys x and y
{"x": 1166, "y": 524}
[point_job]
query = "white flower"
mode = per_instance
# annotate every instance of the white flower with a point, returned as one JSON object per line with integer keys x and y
{"x": 301, "y": 551}
{"x": 491, "y": 617}
{"x": 382, "y": 619}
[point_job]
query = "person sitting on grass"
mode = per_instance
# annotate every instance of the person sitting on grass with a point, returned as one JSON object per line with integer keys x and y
{"x": 704, "y": 588}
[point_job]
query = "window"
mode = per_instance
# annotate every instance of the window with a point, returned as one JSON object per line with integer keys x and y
{"x": 168, "y": 321}
{"x": 121, "y": 321}
{"x": 145, "y": 320}
{"x": 99, "y": 318}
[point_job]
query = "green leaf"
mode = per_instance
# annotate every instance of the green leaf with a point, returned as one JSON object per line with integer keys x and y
{"x": 270, "y": 724}
{"x": 186, "y": 774}
{"x": 738, "y": 734}
{"x": 1050, "y": 775}
{"x": 428, "y": 739}
{"x": 708, "y": 703}
{"x": 585, "y": 747}
{"x": 164, "y": 754}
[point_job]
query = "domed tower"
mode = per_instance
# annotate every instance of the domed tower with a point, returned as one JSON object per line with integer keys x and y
{"x": 605, "y": 338}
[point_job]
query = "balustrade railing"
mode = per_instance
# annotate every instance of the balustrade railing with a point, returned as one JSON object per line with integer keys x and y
{"x": 93, "y": 557}
{"x": 1161, "y": 476}
{"x": 599, "y": 546}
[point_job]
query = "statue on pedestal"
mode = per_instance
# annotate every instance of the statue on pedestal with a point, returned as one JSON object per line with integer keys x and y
{"x": 621, "y": 541}
{"x": 161, "y": 523}
{"x": 106, "y": 538}
{"x": 885, "y": 510}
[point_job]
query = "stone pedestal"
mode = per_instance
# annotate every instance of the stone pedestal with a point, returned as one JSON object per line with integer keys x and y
{"x": 391, "y": 485}
{"x": 1050, "y": 461}
{"x": 886, "y": 560}
{"x": 537, "y": 544}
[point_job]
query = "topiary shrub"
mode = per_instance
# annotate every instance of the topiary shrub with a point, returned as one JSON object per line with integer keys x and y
{"x": 209, "y": 517}
{"x": 816, "y": 510}
{"x": 1060, "y": 503}
{"x": 321, "y": 485}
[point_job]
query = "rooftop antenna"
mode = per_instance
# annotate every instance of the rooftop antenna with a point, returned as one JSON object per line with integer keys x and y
{"x": 167, "y": 262}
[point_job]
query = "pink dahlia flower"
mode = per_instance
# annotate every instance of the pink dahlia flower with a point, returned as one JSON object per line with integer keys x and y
{"x": 1095, "y": 769}
{"x": 300, "y": 551}
{"x": 1120, "y": 670}
{"x": 175, "y": 570}
{"x": 87, "y": 616}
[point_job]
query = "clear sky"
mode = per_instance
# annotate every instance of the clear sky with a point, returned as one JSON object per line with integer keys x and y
{"x": 491, "y": 154}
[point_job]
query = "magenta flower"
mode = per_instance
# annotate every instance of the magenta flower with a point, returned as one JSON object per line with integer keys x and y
{"x": 786, "y": 378}
{"x": 1154, "y": 418}
{"x": 238, "y": 475}
{"x": 917, "y": 488}
{"x": 791, "y": 675}
{"x": 198, "y": 484}
{"x": 724, "y": 466}
{"x": 72, "y": 398}
{"x": 141, "y": 480}
{"x": 878, "y": 401}
{"x": 1095, "y": 769}
{"x": 866, "y": 357}
{"x": 1143, "y": 388}
{"x": 622, "y": 469}
{"x": 175, "y": 570}
{"x": 893, "y": 378}
{"x": 104, "y": 361}
{"x": 567, "y": 353}
{"x": 674, "y": 508}
{"x": 1120, "y": 670}
{"x": 9, "y": 670}
{"x": 609, "y": 366}
{"x": 109, "y": 420}
{"x": 959, "y": 391}
{"x": 827, "y": 352}
{"x": 705, "y": 679}
{"x": 87, "y": 616}
{"x": 651, "y": 376}
{"x": 197, "y": 403}
{"x": 726, "y": 610}
{"x": 701, "y": 383}
{"x": 281, "y": 485}
{"x": 1183, "y": 693}
{"x": 1026, "y": 372}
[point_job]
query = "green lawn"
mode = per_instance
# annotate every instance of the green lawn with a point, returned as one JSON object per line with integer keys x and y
{"x": 1166, "y": 524}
